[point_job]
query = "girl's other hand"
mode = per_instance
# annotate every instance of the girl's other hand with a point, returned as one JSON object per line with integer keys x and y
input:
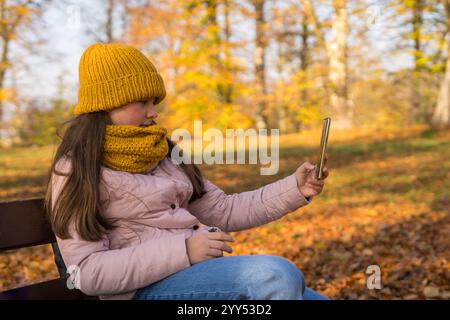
{"x": 206, "y": 245}
{"x": 306, "y": 180}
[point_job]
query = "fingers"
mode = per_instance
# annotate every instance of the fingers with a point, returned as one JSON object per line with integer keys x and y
{"x": 312, "y": 178}
{"x": 314, "y": 187}
{"x": 315, "y": 183}
{"x": 214, "y": 252}
{"x": 217, "y": 243}
{"x": 325, "y": 172}
{"x": 306, "y": 168}
{"x": 308, "y": 165}
{"x": 220, "y": 236}
{"x": 220, "y": 245}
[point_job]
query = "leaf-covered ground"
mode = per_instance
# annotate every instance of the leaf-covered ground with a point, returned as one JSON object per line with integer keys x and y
{"x": 386, "y": 203}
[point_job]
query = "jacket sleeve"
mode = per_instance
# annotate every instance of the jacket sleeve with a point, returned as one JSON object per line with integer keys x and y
{"x": 248, "y": 209}
{"x": 103, "y": 271}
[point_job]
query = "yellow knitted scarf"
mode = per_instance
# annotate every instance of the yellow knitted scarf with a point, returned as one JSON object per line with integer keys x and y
{"x": 132, "y": 148}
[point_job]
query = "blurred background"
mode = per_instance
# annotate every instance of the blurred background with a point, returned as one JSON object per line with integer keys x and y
{"x": 379, "y": 68}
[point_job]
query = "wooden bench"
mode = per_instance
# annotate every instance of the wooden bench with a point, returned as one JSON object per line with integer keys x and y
{"x": 24, "y": 224}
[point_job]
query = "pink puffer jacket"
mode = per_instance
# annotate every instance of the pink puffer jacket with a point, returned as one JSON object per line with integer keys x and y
{"x": 153, "y": 219}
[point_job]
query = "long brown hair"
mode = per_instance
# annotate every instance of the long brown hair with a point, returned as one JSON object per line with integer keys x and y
{"x": 82, "y": 143}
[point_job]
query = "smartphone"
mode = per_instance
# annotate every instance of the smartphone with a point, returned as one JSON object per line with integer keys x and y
{"x": 323, "y": 148}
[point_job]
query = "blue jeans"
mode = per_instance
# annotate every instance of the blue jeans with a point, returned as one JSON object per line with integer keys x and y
{"x": 247, "y": 277}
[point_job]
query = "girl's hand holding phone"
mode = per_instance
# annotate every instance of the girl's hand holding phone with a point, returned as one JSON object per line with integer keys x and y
{"x": 310, "y": 177}
{"x": 307, "y": 184}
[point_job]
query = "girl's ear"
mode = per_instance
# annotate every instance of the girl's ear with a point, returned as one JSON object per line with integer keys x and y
{"x": 108, "y": 118}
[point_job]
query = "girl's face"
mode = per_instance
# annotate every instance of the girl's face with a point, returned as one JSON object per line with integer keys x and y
{"x": 138, "y": 113}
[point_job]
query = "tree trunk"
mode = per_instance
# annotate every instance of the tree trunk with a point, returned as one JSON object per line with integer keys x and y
{"x": 337, "y": 54}
{"x": 282, "y": 115}
{"x": 220, "y": 65}
{"x": 4, "y": 62}
{"x": 336, "y": 51}
{"x": 4, "y": 59}
{"x": 109, "y": 21}
{"x": 304, "y": 64}
{"x": 417, "y": 22}
{"x": 441, "y": 115}
{"x": 259, "y": 60}
{"x": 227, "y": 90}
{"x": 304, "y": 54}
{"x": 213, "y": 34}
{"x": 12, "y": 16}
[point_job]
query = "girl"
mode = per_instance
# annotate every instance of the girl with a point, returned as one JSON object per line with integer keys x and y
{"x": 133, "y": 224}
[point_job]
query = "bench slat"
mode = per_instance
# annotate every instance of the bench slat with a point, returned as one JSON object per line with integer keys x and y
{"x": 49, "y": 290}
{"x": 23, "y": 224}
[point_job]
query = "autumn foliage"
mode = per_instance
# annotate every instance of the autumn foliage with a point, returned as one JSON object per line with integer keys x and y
{"x": 386, "y": 202}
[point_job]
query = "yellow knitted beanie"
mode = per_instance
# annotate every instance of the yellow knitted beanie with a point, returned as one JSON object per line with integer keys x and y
{"x": 112, "y": 75}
